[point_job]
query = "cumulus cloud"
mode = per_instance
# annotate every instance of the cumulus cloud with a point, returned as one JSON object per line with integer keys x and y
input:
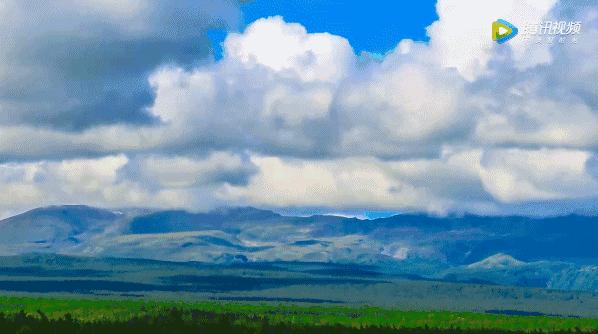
{"x": 290, "y": 51}
{"x": 401, "y": 107}
{"x": 76, "y": 64}
{"x": 460, "y": 38}
{"x": 186, "y": 172}
{"x": 120, "y": 181}
{"x": 513, "y": 175}
{"x": 483, "y": 182}
{"x": 354, "y": 183}
{"x": 290, "y": 118}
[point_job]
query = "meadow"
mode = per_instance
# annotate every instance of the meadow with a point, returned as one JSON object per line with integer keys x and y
{"x": 19, "y": 314}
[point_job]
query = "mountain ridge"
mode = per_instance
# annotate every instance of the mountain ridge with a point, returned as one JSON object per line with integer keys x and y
{"x": 434, "y": 247}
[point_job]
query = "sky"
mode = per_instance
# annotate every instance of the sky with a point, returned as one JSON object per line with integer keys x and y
{"x": 298, "y": 106}
{"x": 369, "y": 26}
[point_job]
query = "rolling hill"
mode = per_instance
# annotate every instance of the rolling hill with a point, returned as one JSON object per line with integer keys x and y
{"x": 554, "y": 252}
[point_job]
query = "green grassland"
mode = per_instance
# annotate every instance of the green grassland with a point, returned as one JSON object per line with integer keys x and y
{"x": 94, "y": 315}
{"x": 319, "y": 284}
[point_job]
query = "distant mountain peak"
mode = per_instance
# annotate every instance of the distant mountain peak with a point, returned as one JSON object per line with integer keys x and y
{"x": 71, "y": 211}
{"x": 245, "y": 212}
{"x": 496, "y": 261}
{"x": 184, "y": 221}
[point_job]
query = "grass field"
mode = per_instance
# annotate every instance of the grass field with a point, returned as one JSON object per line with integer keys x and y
{"x": 26, "y": 314}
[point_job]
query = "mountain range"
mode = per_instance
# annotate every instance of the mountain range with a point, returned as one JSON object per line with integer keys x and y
{"x": 554, "y": 252}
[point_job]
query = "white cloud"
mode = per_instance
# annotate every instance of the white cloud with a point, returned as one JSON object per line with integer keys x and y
{"x": 119, "y": 181}
{"x": 187, "y": 172}
{"x": 341, "y": 183}
{"x": 461, "y": 38}
{"x": 288, "y": 50}
{"x": 458, "y": 124}
{"x": 515, "y": 175}
{"x": 401, "y": 107}
{"x": 530, "y": 120}
{"x": 458, "y": 181}
{"x": 278, "y": 99}
{"x": 26, "y": 185}
{"x": 273, "y": 101}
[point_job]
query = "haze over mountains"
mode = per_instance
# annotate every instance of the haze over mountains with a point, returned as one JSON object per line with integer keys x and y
{"x": 558, "y": 252}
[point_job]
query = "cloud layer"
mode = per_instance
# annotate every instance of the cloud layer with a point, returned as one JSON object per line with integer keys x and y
{"x": 292, "y": 119}
{"x": 71, "y": 64}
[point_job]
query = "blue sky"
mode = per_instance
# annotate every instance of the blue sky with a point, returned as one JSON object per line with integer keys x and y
{"x": 371, "y": 26}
